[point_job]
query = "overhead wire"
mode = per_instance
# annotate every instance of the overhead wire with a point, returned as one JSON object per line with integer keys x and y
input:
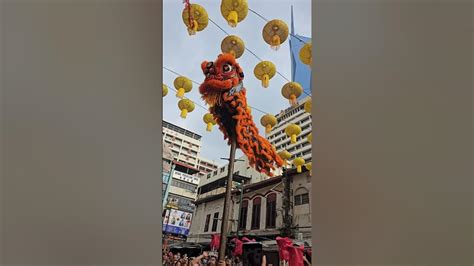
{"x": 247, "y": 49}
{"x": 251, "y": 52}
{"x": 178, "y": 74}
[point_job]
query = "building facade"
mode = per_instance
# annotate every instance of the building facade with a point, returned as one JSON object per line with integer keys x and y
{"x": 185, "y": 146}
{"x": 182, "y": 170}
{"x": 257, "y": 209}
{"x": 297, "y": 115}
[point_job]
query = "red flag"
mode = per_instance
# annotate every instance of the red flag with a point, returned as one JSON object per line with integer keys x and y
{"x": 215, "y": 241}
{"x": 239, "y": 247}
{"x": 283, "y": 244}
{"x": 296, "y": 256}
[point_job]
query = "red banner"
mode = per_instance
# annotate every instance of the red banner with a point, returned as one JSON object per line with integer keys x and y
{"x": 215, "y": 241}
{"x": 239, "y": 247}
{"x": 283, "y": 244}
{"x": 296, "y": 255}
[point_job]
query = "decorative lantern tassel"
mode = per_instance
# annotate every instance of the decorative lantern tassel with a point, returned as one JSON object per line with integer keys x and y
{"x": 209, "y": 127}
{"x": 180, "y": 93}
{"x": 293, "y": 138}
{"x": 298, "y": 169}
{"x": 268, "y": 129}
{"x": 184, "y": 113}
{"x": 276, "y": 42}
{"x": 265, "y": 81}
{"x": 193, "y": 28}
{"x": 232, "y": 18}
{"x": 293, "y": 101}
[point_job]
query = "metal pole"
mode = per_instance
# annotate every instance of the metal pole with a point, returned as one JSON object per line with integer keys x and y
{"x": 240, "y": 207}
{"x": 227, "y": 201}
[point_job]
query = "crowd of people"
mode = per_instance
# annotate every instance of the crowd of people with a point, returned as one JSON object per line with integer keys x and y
{"x": 205, "y": 259}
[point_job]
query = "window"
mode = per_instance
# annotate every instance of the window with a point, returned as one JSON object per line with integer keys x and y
{"x": 243, "y": 215}
{"x": 256, "y": 213}
{"x": 302, "y": 199}
{"x": 208, "y": 175}
{"x": 214, "y": 222}
{"x": 222, "y": 169}
{"x": 271, "y": 210}
{"x": 206, "y": 225}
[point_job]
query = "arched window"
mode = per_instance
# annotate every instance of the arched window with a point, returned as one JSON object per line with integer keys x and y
{"x": 301, "y": 196}
{"x": 256, "y": 213}
{"x": 271, "y": 210}
{"x": 243, "y": 214}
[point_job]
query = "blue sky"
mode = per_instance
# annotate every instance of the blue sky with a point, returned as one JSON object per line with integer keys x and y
{"x": 184, "y": 54}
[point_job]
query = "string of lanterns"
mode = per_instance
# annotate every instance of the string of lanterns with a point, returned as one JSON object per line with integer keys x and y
{"x": 274, "y": 33}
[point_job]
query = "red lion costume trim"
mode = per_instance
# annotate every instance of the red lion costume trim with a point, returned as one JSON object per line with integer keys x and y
{"x": 223, "y": 91}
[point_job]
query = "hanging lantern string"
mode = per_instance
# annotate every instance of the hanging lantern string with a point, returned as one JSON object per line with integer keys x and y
{"x": 266, "y": 20}
{"x": 188, "y": 98}
{"x": 177, "y": 74}
{"x": 256, "y": 56}
{"x": 190, "y": 17}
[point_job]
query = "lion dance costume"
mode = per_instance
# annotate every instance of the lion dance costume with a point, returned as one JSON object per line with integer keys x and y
{"x": 223, "y": 91}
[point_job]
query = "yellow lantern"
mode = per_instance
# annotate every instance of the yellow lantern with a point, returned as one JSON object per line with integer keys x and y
{"x": 234, "y": 11}
{"x": 195, "y": 18}
{"x": 275, "y": 32}
{"x": 298, "y": 162}
{"x": 285, "y": 155}
{"x": 183, "y": 85}
{"x": 165, "y": 90}
{"x": 293, "y": 130}
{"x": 308, "y": 166}
{"x": 306, "y": 54}
{"x": 233, "y": 45}
{"x": 186, "y": 106}
{"x": 309, "y": 137}
{"x": 291, "y": 91}
{"x": 307, "y": 106}
{"x": 268, "y": 121}
{"x": 264, "y": 71}
{"x": 209, "y": 120}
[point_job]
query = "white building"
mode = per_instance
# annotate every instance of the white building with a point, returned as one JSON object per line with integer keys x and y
{"x": 278, "y": 137}
{"x": 181, "y": 178}
{"x": 186, "y": 146}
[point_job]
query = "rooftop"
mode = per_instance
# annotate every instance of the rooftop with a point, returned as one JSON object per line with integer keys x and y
{"x": 181, "y": 130}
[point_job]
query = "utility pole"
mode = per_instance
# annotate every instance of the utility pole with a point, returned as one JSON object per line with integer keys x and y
{"x": 227, "y": 201}
{"x": 287, "y": 218}
{"x": 241, "y": 186}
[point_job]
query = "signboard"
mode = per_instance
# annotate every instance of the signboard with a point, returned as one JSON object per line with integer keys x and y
{"x": 176, "y": 202}
{"x": 186, "y": 177}
{"x": 177, "y": 222}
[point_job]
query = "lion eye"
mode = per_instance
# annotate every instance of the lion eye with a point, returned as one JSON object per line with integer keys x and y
{"x": 227, "y": 68}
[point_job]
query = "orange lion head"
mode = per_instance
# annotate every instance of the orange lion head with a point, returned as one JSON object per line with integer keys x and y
{"x": 220, "y": 76}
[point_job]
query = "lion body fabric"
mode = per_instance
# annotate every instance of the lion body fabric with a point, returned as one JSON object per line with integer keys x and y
{"x": 223, "y": 91}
